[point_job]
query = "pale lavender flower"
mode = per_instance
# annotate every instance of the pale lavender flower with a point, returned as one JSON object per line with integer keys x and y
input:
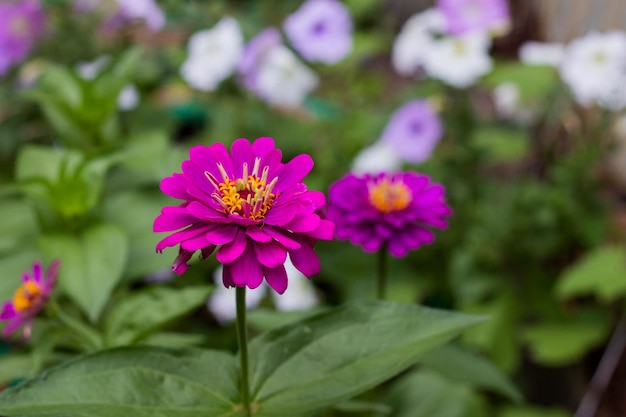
{"x": 467, "y": 16}
{"x": 21, "y": 24}
{"x": 146, "y": 10}
{"x": 254, "y": 54}
{"x": 413, "y": 131}
{"x": 320, "y": 30}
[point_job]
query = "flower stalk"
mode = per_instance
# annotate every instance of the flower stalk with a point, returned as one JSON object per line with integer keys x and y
{"x": 242, "y": 339}
{"x": 382, "y": 273}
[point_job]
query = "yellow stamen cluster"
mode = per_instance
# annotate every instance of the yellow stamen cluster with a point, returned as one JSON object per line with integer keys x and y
{"x": 250, "y": 196}
{"x": 388, "y": 196}
{"x": 26, "y": 295}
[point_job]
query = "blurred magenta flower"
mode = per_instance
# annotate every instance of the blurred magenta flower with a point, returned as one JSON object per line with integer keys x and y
{"x": 21, "y": 24}
{"x": 251, "y": 205}
{"x": 29, "y": 299}
{"x": 467, "y": 16}
{"x": 392, "y": 211}
{"x": 320, "y": 30}
{"x": 413, "y": 131}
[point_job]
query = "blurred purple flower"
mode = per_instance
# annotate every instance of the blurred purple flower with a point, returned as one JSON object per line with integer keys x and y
{"x": 29, "y": 299}
{"x": 413, "y": 131}
{"x": 466, "y": 16}
{"x": 146, "y": 10}
{"x": 253, "y": 55}
{"x": 391, "y": 211}
{"x": 251, "y": 205}
{"x": 320, "y": 30}
{"x": 21, "y": 24}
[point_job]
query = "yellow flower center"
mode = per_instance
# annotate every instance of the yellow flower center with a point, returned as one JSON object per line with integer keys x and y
{"x": 249, "y": 196}
{"x": 388, "y": 196}
{"x": 28, "y": 294}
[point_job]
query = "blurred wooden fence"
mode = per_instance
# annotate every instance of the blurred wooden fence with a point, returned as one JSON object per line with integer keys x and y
{"x": 564, "y": 20}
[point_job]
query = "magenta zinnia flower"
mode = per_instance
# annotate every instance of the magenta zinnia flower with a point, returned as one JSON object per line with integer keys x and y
{"x": 249, "y": 204}
{"x": 321, "y": 30}
{"x": 29, "y": 299}
{"x": 392, "y": 211}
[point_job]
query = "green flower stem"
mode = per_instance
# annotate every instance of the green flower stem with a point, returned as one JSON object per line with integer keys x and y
{"x": 382, "y": 273}
{"x": 242, "y": 339}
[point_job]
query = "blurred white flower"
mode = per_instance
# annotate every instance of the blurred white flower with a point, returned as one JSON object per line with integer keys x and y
{"x": 379, "y": 157}
{"x": 222, "y": 302}
{"x": 540, "y": 53}
{"x": 414, "y": 40}
{"x": 459, "y": 61}
{"x": 282, "y": 79}
{"x": 213, "y": 55}
{"x": 594, "y": 67}
{"x": 506, "y": 99}
{"x": 300, "y": 293}
{"x": 128, "y": 98}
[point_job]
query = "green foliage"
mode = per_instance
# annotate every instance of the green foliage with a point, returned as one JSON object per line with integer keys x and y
{"x": 313, "y": 365}
{"x": 601, "y": 273}
{"x": 92, "y": 264}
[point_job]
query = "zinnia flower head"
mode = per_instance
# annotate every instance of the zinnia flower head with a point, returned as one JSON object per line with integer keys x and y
{"x": 29, "y": 299}
{"x": 249, "y": 206}
{"x": 467, "y": 16}
{"x": 21, "y": 24}
{"x": 393, "y": 211}
{"x": 321, "y": 30}
{"x": 413, "y": 131}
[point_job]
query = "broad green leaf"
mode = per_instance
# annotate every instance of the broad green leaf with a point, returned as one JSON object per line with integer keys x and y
{"x": 427, "y": 394}
{"x": 141, "y": 313}
{"x": 175, "y": 340}
{"x": 559, "y": 344}
{"x": 135, "y": 212}
{"x": 461, "y": 365}
{"x": 132, "y": 381}
{"x": 330, "y": 357}
{"x": 14, "y": 366}
{"x": 91, "y": 264}
{"x": 268, "y": 319}
{"x": 17, "y": 224}
{"x": 45, "y": 163}
{"x": 601, "y": 272}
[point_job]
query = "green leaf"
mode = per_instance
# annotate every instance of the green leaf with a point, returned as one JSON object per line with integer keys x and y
{"x": 132, "y": 381}
{"x": 559, "y": 344}
{"x": 535, "y": 82}
{"x": 91, "y": 265}
{"x": 502, "y": 144}
{"x": 267, "y": 319}
{"x": 427, "y": 394}
{"x": 139, "y": 314}
{"x": 532, "y": 412}
{"x": 601, "y": 272}
{"x": 17, "y": 224}
{"x": 461, "y": 365}
{"x": 330, "y": 357}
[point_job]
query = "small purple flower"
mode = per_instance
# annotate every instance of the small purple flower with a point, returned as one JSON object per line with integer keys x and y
{"x": 146, "y": 10}
{"x": 320, "y": 30}
{"x": 21, "y": 24}
{"x": 249, "y": 204}
{"x": 465, "y": 16}
{"x": 253, "y": 55}
{"x": 29, "y": 299}
{"x": 392, "y": 211}
{"x": 413, "y": 131}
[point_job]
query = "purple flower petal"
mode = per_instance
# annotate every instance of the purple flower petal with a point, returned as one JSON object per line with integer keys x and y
{"x": 276, "y": 278}
{"x": 271, "y": 254}
{"x": 246, "y": 270}
{"x": 231, "y": 251}
{"x": 305, "y": 260}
